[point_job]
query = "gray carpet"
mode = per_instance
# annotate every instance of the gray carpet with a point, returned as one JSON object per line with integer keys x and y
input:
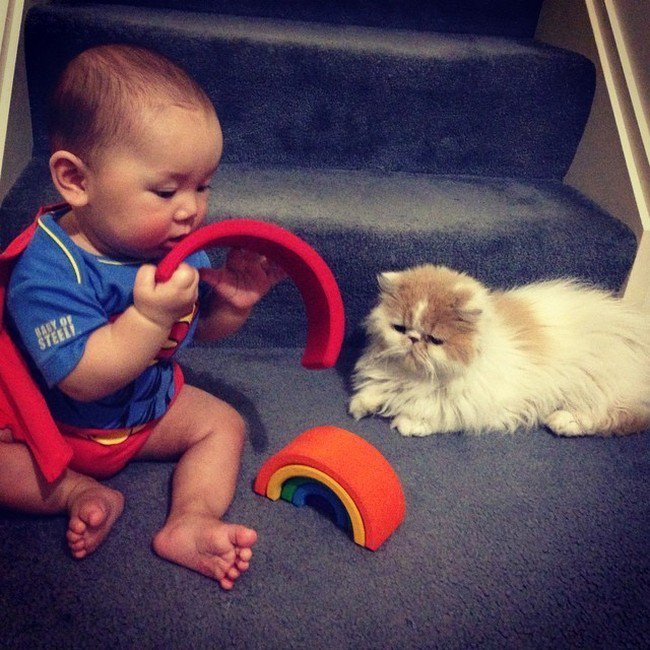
{"x": 524, "y": 541}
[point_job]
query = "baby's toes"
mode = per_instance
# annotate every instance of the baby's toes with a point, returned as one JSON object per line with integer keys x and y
{"x": 233, "y": 573}
{"x": 245, "y": 554}
{"x": 76, "y": 526}
{"x": 75, "y": 543}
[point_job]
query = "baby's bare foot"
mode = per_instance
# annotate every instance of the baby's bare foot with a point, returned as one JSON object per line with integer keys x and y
{"x": 93, "y": 510}
{"x": 205, "y": 544}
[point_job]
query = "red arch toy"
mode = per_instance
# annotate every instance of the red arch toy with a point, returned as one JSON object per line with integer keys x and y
{"x": 312, "y": 276}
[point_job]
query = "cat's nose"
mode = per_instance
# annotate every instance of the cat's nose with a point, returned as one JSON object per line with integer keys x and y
{"x": 414, "y": 336}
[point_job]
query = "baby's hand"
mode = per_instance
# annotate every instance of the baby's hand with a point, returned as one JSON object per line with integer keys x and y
{"x": 244, "y": 279}
{"x": 166, "y": 302}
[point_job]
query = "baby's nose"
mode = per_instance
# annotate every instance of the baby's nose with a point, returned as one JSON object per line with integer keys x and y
{"x": 188, "y": 209}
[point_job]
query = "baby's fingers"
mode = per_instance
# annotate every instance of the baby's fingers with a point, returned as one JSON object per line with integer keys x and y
{"x": 240, "y": 259}
{"x": 145, "y": 278}
{"x": 211, "y": 276}
{"x": 182, "y": 278}
{"x": 274, "y": 272}
{"x": 185, "y": 277}
{"x": 246, "y": 261}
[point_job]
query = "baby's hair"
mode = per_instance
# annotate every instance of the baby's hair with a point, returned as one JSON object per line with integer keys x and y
{"x": 99, "y": 99}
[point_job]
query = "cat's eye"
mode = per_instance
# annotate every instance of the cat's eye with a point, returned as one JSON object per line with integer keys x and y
{"x": 399, "y": 328}
{"x": 434, "y": 340}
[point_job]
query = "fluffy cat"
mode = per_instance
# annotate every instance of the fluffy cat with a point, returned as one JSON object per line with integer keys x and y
{"x": 444, "y": 353}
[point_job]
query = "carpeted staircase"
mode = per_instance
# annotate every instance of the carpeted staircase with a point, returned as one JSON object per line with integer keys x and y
{"x": 385, "y": 134}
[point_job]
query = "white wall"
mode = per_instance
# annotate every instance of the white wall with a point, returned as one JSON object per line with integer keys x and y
{"x": 611, "y": 164}
{"x": 598, "y": 169}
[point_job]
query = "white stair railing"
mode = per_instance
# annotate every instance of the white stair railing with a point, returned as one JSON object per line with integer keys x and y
{"x": 620, "y": 30}
{"x": 11, "y": 14}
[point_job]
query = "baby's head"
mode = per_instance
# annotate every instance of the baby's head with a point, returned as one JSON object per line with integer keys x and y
{"x": 135, "y": 142}
{"x": 107, "y": 94}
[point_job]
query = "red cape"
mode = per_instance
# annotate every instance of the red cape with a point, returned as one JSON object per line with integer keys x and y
{"x": 22, "y": 406}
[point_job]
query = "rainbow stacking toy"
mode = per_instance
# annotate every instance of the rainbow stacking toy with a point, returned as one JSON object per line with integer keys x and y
{"x": 345, "y": 471}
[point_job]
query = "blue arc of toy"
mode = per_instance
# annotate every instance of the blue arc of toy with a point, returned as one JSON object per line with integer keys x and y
{"x": 307, "y": 492}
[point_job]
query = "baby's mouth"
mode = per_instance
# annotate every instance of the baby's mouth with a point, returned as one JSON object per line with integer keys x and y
{"x": 172, "y": 241}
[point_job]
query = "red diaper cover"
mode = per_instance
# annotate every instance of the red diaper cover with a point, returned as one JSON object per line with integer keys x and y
{"x": 101, "y": 453}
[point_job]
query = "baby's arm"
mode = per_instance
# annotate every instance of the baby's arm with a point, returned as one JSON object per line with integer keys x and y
{"x": 119, "y": 351}
{"x": 237, "y": 287}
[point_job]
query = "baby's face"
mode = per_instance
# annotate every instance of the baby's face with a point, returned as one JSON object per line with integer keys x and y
{"x": 145, "y": 196}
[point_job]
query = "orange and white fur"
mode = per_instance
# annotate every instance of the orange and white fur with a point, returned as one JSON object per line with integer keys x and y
{"x": 445, "y": 353}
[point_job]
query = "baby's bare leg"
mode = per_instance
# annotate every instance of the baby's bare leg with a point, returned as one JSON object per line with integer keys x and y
{"x": 92, "y": 507}
{"x": 209, "y": 436}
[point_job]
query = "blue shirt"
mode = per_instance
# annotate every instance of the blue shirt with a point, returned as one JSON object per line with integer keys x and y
{"x": 58, "y": 296}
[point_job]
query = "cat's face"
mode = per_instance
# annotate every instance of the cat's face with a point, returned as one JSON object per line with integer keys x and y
{"x": 428, "y": 316}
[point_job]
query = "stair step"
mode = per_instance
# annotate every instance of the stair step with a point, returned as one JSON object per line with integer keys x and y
{"x": 503, "y": 231}
{"x": 496, "y": 17}
{"x": 314, "y": 95}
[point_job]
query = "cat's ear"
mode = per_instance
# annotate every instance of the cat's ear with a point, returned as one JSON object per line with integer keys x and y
{"x": 470, "y": 301}
{"x": 388, "y": 281}
{"x": 468, "y": 315}
{"x": 469, "y": 307}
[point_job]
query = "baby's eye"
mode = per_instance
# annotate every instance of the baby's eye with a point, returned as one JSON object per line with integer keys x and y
{"x": 165, "y": 194}
{"x": 433, "y": 339}
{"x": 399, "y": 328}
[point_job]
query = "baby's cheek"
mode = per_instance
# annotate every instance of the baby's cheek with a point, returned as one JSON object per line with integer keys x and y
{"x": 152, "y": 233}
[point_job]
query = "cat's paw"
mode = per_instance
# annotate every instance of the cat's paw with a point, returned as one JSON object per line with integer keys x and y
{"x": 360, "y": 406}
{"x": 409, "y": 427}
{"x": 565, "y": 423}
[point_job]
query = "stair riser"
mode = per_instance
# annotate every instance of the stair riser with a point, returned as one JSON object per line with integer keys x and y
{"x": 503, "y": 232}
{"x": 498, "y": 17}
{"x": 357, "y": 257}
{"x": 312, "y": 97}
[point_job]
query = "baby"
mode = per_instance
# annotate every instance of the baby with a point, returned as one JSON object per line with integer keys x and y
{"x": 135, "y": 142}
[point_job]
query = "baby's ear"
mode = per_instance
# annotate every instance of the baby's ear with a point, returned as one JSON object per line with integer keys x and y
{"x": 69, "y": 175}
{"x": 388, "y": 281}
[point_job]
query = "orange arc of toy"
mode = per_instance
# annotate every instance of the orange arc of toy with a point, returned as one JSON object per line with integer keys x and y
{"x": 309, "y": 272}
{"x": 361, "y": 472}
